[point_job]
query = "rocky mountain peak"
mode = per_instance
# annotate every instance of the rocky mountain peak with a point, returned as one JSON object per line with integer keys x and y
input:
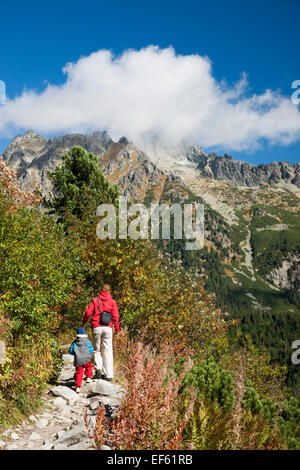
{"x": 122, "y": 162}
{"x": 23, "y": 150}
{"x": 235, "y": 172}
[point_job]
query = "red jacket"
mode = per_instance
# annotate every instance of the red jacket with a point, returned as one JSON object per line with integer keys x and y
{"x": 106, "y": 303}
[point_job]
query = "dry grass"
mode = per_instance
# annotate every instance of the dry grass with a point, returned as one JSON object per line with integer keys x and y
{"x": 149, "y": 417}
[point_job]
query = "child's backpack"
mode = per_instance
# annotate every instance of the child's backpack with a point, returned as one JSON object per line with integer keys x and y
{"x": 82, "y": 353}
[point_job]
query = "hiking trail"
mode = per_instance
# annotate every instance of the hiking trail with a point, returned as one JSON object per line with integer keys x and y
{"x": 60, "y": 423}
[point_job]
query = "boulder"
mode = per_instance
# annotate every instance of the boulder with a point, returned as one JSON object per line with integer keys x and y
{"x": 102, "y": 387}
{"x": 60, "y": 434}
{"x": 42, "y": 423}
{"x": 59, "y": 403}
{"x": 35, "y": 437}
{"x": 75, "y": 435}
{"x": 79, "y": 420}
{"x": 83, "y": 445}
{"x": 68, "y": 358}
{"x": 106, "y": 400}
{"x": 33, "y": 445}
{"x": 94, "y": 405}
{"x": 66, "y": 393}
{"x": 95, "y": 399}
{"x": 63, "y": 420}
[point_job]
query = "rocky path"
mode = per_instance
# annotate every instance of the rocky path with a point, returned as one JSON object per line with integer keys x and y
{"x": 61, "y": 424}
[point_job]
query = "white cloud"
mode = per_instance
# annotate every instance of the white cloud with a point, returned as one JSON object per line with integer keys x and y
{"x": 153, "y": 91}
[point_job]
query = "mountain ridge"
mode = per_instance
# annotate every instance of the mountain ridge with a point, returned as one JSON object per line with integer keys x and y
{"x": 32, "y": 151}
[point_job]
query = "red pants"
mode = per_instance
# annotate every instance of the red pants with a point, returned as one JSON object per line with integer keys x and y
{"x": 87, "y": 369}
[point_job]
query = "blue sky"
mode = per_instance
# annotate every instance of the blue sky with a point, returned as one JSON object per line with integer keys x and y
{"x": 259, "y": 38}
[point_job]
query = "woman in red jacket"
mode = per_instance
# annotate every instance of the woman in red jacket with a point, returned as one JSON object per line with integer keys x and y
{"x": 105, "y": 315}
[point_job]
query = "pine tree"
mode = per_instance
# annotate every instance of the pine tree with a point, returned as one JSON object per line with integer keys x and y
{"x": 79, "y": 186}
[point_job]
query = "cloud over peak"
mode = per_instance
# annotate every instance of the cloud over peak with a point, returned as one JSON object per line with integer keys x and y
{"x": 154, "y": 92}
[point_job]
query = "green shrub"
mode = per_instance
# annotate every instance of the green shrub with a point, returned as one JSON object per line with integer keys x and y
{"x": 211, "y": 382}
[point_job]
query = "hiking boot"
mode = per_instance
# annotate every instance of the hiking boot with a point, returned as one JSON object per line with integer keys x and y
{"x": 88, "y": 380}
{"x": 77, "y": 390}
{"x": 98, "y": 374}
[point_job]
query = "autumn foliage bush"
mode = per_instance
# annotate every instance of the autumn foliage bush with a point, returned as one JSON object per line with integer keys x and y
{"x": 39, "y": 268}
{"x": 29, "y": 366}
{"x": 149, "y": 417}
{"x": 10, "y": 187}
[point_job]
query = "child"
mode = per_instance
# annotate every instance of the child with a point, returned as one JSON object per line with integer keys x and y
{"x": 82, "y": 350}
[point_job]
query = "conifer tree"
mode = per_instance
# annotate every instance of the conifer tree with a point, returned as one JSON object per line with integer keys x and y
{"x": 79, "y": 186}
